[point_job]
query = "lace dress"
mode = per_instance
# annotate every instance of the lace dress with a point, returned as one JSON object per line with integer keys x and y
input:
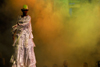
{"x": 24, "y": 55}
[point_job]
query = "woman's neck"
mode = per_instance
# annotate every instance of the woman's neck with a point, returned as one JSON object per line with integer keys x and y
{"x": 24, "y": 15}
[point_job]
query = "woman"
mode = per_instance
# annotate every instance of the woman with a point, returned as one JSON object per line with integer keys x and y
{"x": 24, "y": 55}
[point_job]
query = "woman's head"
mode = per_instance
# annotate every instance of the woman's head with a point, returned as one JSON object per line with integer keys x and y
{"x": 24, "y": 12}
{"x": 85, "y": 64}
{"x": 65, "y": 63}
{"x": 25, "y": 9}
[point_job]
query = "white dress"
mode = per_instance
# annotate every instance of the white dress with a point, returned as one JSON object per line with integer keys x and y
{"x": 24, "y": 55}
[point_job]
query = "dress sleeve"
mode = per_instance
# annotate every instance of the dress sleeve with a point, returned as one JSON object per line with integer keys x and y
{"x": 14, "y": 27}
{"x": 31, "y": 35}
{"x": 30, "y": 29}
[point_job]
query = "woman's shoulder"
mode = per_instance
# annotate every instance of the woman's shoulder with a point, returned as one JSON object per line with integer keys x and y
{"x": 29, "y": 16}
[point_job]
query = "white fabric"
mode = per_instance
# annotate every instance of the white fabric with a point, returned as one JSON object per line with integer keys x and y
{"x": 24, "y": 55}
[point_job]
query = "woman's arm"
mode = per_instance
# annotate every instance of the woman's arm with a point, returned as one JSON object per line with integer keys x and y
{"x": 13, "y": 36}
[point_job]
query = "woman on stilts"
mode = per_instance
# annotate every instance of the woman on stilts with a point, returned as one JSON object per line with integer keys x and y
{"x": 24, "y": 55}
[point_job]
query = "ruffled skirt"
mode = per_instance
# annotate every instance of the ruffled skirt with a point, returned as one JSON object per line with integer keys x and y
{"x": 23, "y": 56}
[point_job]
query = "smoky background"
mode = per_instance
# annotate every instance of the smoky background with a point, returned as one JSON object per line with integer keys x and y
{"x": 62, "y": 30}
